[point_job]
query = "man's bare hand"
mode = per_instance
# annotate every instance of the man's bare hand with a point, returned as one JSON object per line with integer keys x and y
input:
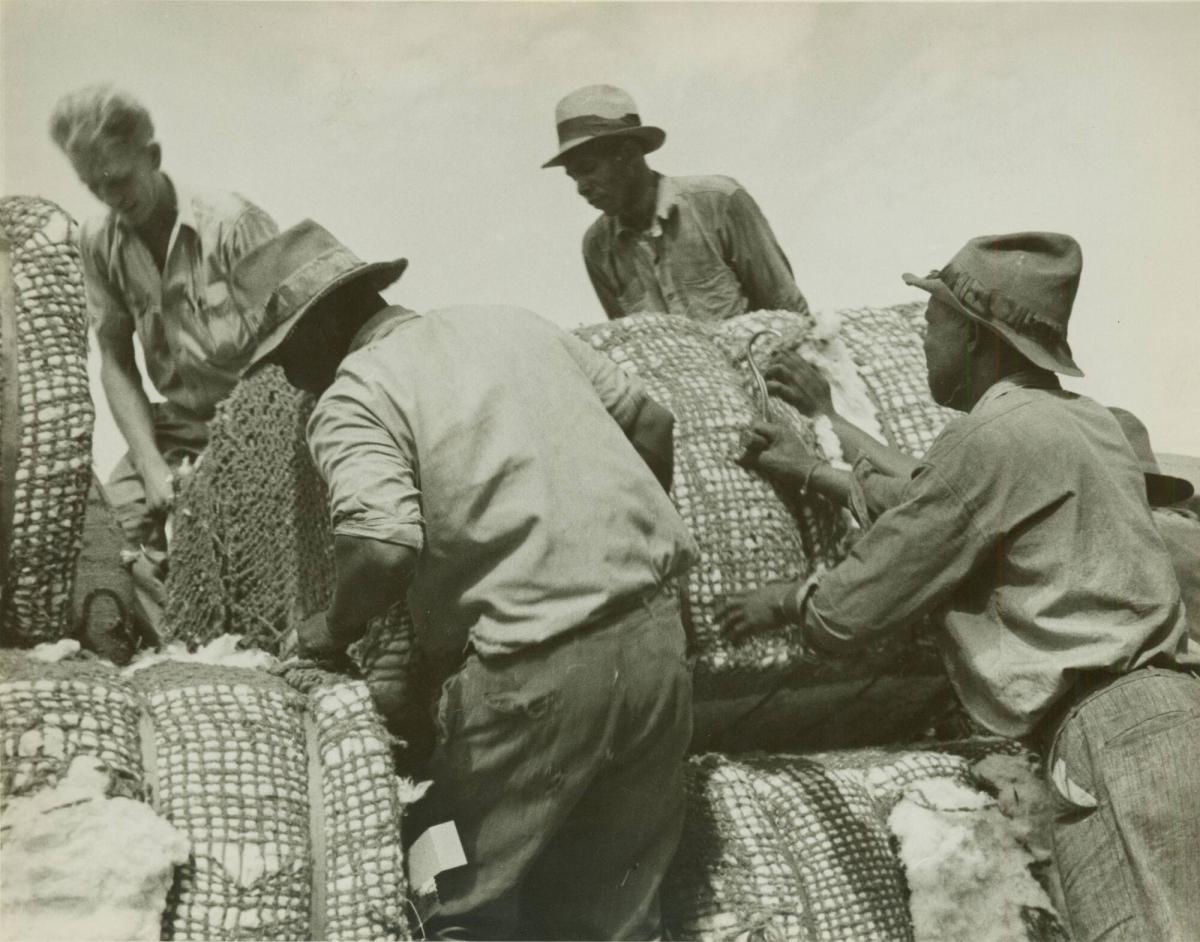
{"x": 797, "y": 382}
{"x": 776, "y": 451}
{"x": 756, "y": 611}
{"x": 158, "y": 482}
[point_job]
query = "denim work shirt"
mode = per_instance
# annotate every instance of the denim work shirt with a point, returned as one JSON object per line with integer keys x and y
{"x": 709, "y": 254}
{"x": 494, "y": 445}
{"x": 1026, "y": 528}
{"x": 195, "y": 341}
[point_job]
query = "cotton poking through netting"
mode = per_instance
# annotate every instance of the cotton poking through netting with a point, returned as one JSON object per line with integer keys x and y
{"x": 62, "y": 879}
{"x": 967, "y": 868}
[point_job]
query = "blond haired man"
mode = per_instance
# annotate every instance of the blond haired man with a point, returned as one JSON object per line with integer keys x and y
{"x": 156, "y": 266}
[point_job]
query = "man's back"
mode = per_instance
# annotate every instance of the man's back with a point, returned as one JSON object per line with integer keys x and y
{"x": 532, "y": 510}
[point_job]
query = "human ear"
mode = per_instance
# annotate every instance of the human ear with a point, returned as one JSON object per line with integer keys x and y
{"x": 154, "y": 151}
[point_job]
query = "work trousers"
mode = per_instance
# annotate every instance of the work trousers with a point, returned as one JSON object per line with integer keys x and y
{"x": 562, "y": 768}
{"x": 1127, "y": 829}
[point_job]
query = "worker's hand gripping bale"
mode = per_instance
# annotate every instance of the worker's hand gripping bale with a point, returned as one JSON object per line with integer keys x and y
{"x": 1026, "y": 531}
{"x": 507, "y": 481}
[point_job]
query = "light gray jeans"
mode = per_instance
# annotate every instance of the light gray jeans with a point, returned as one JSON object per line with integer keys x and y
{"x": 1125, "y": 769}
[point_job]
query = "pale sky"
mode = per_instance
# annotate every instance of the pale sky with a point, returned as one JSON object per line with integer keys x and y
{"x": 876, "y": 138}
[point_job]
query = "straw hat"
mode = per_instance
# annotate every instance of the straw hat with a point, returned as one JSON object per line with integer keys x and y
{"x": 600, "y": 111}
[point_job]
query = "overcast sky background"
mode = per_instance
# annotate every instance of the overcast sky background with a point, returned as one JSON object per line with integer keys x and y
{"x": 876, "y": 138}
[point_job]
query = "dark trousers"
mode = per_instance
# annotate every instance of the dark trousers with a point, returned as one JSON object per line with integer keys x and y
{"x": 562, "y": 768}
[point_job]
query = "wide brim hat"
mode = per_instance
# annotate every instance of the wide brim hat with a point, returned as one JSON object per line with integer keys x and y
{"x": 1161, "y": 489}
{"x": 281, "y": 280}
{"x": 596, "y": 112}
{"x": 1021, "y": 286}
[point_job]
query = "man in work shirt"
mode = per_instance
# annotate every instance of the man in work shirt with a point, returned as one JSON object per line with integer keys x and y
{"x": 156, "y": 266}
{"x": 510, "y": 482}
{"x": 1026, "y": 528}
{"x": 698, "y": 247}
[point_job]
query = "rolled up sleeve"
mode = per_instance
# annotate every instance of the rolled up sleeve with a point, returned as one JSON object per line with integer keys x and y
{"x": 109, "y": 316}
{"x": 909, "y": 563}
{"x": 623, "y": 395}
{"x": 368, "y": 468}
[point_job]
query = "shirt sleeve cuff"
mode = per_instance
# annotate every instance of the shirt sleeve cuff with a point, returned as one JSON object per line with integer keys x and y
{"x": 383, "y": 529}
{"x": 818, "y": 633}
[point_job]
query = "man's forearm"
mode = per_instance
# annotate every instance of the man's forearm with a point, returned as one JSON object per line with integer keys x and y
{"x": 131, "y": 411}
{"x": 371, "y": 577}
{"x": 858, "y": 444}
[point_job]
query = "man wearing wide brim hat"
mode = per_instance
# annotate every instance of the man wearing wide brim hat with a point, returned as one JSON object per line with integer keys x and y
{"x": 1026, "y": 532}
{"x": 509, "y": 482}
{"x": 698, "y": 247}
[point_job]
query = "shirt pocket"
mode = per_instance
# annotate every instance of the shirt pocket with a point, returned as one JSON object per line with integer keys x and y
{"x": 711, "y": 294}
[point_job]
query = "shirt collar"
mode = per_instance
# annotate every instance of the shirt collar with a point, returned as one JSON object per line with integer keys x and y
{"x": 666, "y": 199}
{"x": 185, "y": 214}
{"x": 1025, "y": 379}
{"x": 380, "y": 323}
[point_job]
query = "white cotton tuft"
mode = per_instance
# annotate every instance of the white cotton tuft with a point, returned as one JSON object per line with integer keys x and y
{"x": 967, "y": 868}
{"x": 62, "y": 879}
{"x": 222, "y": 651}
{"x": 52, "y": 652}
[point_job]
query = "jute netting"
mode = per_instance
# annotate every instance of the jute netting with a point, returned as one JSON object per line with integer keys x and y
{"x": 252, "y": 552}
{"x": 286, "y": 793}
{"x": 749, "y": 532}
{"x": 887, "y": 346}
{"x": 45, "y": 419}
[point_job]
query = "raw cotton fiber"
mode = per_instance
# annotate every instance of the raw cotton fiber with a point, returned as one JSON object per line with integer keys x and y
{"x": 81, "y": 865}
{"x": 967, "y": 867}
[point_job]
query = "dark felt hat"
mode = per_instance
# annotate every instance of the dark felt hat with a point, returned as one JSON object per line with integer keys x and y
{"x": 283, "y": 278}
{"x": 1022, "y": 286}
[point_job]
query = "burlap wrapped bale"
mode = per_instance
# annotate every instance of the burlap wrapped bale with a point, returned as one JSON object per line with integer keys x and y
{"x": 252, "y": 550}
{"x": 887, "y": 346}
{"x": 759, "y": 693}
{"x": 46, "y": 419}
{"x": 288, "y": 798}
{"x": 798, "y": 848}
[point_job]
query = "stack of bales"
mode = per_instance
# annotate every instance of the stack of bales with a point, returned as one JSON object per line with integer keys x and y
{"x": 286, "y": 796}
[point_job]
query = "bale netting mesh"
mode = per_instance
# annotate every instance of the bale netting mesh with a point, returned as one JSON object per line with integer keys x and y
{"x": 285, "y": 793}
{"x": 790, "y": 847}
{"x": 749, "y": 532}
{"x": 887, "y": 346}
{"x": 46, "y": 419}
{"x": 252, "y": 550}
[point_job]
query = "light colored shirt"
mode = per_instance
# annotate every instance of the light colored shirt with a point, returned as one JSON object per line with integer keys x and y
{"x": 494, "y": 445}
{"x": 194, "y": 339}
{"x": 1026, "y": 529}
{"x": 709, "y": 254}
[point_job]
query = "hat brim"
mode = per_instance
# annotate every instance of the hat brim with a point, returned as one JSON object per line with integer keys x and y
{"x": 651, "y": 138}
{"x": 1162, "y": 490}
{"x": 1056, "y": 357}
{"x": 379, "y": 275}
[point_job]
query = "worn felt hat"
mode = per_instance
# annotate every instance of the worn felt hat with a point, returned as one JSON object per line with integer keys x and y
{"x": 1161, "y": 489}
{"x": 1021, "y": 286}
{"x": 283, "y": 278}
{"x": 600, "y": 111}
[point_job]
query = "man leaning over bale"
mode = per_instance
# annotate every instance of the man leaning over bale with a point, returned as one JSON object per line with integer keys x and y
{"x": 698, "y": 247}
{"x": 1027, "y": 530}
{"x": 510, "y": 482}
{"x": 157, "y": 267}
